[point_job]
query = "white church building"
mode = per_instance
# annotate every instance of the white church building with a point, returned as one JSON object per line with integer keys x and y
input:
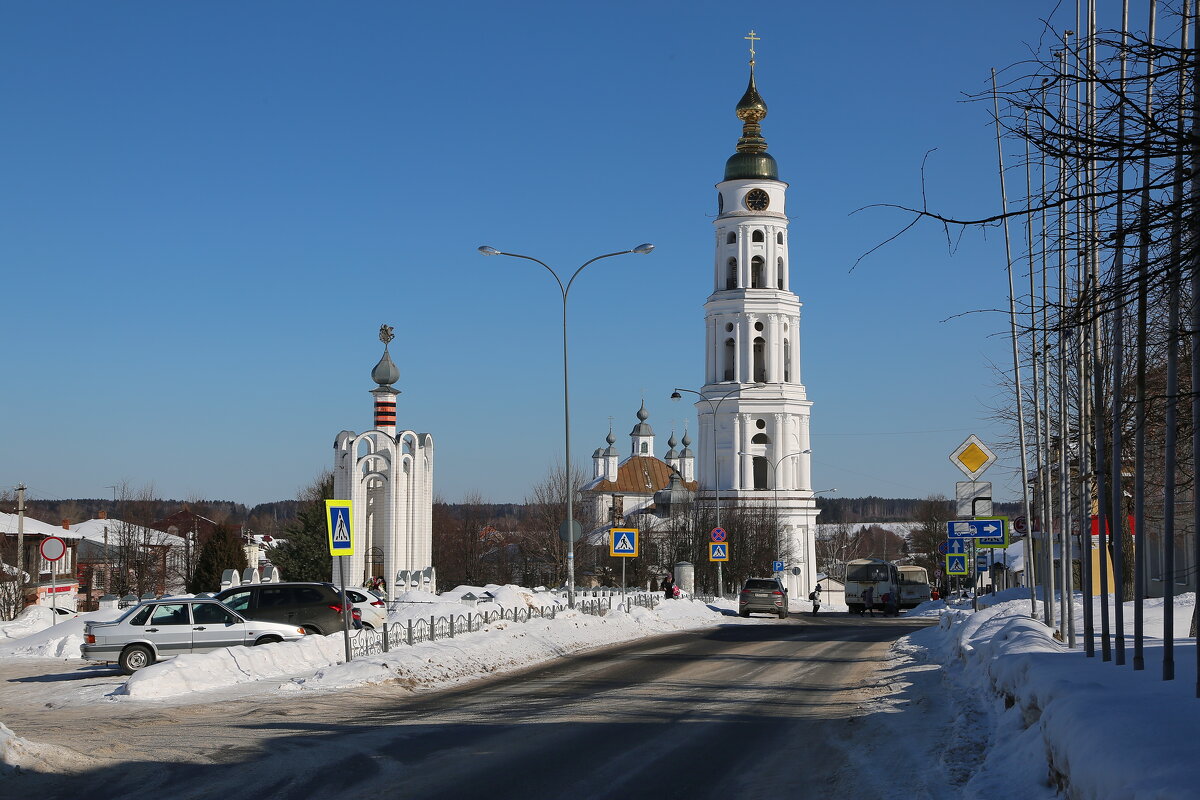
{"x": 388, "y": 475}
{"x": 754, "y": 410}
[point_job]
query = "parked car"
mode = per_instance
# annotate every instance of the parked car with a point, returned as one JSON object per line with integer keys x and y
{"x": 159, "y": 629}
{"x": 370, "y": 605}
{"x": 316, "y": 607}
{"x": 763, "y": 594}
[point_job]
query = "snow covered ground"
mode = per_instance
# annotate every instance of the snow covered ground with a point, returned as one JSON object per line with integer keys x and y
{"x": 1019, "y": 714}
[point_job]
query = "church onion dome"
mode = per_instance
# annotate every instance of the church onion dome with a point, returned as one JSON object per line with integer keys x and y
{"x": 751, "y": 159}
{"x": 598, "y": 453}
{"x": 672, "y": 442}
{"x": 642, "y": 428}
{"x": 687, "y": 451}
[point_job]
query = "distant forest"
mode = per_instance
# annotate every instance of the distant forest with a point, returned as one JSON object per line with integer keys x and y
{"x": 884, "y": 509}
{"x": 270, "y": 518}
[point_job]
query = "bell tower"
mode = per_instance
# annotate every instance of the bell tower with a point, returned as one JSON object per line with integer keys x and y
{"x": 754, "y": 418}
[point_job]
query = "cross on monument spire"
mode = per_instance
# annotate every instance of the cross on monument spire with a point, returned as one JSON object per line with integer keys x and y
{"x": 752, "y": 39}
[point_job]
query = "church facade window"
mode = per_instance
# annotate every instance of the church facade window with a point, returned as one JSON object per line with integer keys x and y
{"x": 779, "y": 271}
{"x": 731, "y": 238}
{"x": 757, "y": 236}
{"x": 731, "y": 274}
{"x": 787, "y": 361}
{"x": 760, "y": 361}
{"x": 756, "y": 272}
{"x": 730, "y": 355}
{"x": 760, "y": 472}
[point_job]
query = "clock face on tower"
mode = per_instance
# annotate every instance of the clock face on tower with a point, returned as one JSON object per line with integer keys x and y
{"x": 757, "y": 200}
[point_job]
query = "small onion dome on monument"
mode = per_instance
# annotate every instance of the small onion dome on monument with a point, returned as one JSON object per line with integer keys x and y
{"x": 642, "y": 428}
{"x": 671, "y": 443}
{"x": 751, "y": 159}
{"x": 610, "y": 450}
{"x": 687, "y": 440}
{"x": 386, "y": 373}
{"x": 599, "y": 452}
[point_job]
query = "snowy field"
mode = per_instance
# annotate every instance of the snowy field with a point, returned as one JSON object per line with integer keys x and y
{"x": 1029, "y": 715}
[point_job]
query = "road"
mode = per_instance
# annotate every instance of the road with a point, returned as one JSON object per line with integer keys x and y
{"x": 719, "y": 713}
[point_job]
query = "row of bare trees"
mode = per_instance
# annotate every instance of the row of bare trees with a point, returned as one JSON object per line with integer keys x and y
{"x": 1098, "y": 143}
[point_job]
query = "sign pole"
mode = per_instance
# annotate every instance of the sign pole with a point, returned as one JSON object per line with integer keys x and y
{"x": 623, "y": 586}
{"x": 53, "y": 596}
{"x": 346, "y": 612}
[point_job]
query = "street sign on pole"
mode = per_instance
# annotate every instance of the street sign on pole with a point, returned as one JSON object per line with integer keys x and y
{"x": 623, "y": 542}
{"x": 777, "y": 566}
{"x": 974, "y": 498}
{"x": 972, "y": 457}
{"x": 987, "y": 528}
{"x": 340, "y": 522}
{"x": 952, "y": 546}
{"x": 339, "y": 518}
{"x": 52, "y": 549}
{"x": 719, "y": 535}
{"x": 718, "y": 551}
{"x": 956, "y": 564}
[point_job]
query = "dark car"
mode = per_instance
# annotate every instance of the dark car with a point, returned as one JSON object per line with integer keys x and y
{"x": 316, "y": 607}
{"x": 763, "y": 594}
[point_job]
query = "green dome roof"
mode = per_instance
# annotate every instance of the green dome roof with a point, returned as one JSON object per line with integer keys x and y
{"x": 751, "y": 165}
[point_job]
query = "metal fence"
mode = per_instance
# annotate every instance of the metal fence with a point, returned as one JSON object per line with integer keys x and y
{"x": 369, "y": 642}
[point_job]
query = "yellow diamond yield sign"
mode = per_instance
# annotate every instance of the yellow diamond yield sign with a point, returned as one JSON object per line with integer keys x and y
{"x": 972, "y": 457}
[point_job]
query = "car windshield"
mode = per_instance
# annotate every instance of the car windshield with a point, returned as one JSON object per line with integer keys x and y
{"x": 866, "y": 573}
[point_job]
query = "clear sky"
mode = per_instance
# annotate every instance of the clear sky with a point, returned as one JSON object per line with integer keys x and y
{"x": 208, "y": 209}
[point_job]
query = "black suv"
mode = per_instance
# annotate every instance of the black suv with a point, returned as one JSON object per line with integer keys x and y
{"x": 316, "y": 607}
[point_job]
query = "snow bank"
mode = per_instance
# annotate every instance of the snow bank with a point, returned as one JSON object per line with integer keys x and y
{"x": 38, "y": 640}
{"x": 316, "y": 662}
{"x": 1106, "y": 730}
{"x": 17, "y": 754}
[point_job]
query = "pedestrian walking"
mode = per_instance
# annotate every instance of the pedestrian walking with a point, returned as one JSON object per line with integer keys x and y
{"x": 815, "y": 596}
{"x": 668, "y": 588}
{"x": 868, "y": 598}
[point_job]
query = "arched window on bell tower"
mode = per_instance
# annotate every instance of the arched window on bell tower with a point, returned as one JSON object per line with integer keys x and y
{"x": 731, "y": 276}
{"x": 779, "y": 271}
{"x": 760, "y": 361}
{"x": 730, "y": 354}
{"x": 731, "y": 238}
{"x": 757, "y": 236}
{"x": 787, "y": 361}
{"x": 756, "y": 272}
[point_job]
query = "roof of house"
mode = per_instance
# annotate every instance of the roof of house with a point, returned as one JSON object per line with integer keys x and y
{"x": 637, "y": 475}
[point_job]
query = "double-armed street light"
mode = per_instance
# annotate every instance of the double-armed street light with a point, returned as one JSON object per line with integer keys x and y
{"x": 713, "y": 406}
{"x": 569, "y": 524}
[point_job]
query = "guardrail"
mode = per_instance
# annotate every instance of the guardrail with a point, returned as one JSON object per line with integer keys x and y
{"x": 368, "y": 642}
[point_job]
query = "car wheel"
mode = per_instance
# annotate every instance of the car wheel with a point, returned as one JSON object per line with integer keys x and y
{"x": 744, "y": 613}
{"x": 135, "y": 657}
{"x": 311, "y": 631}
{"x": 783, "y": 614}
{"x": 267, "y": 640}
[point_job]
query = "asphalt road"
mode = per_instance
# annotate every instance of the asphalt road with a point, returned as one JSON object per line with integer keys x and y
{"x": 720, "y": 713}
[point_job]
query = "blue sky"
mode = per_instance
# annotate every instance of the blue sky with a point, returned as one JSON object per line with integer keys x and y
{"x": 208, "y": 209}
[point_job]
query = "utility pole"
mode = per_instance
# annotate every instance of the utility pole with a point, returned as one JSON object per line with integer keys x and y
{"x": 21, "y": 541}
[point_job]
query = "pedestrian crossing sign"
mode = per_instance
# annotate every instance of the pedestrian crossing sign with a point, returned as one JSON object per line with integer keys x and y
{"x": 956, "y": 564}
{"x": 339, "y": 519}
{"x": 718, "y": 551}
{"x": 623, "y": 542}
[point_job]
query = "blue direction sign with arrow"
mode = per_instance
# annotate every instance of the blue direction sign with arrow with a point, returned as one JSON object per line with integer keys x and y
{"x": 952, "y": 546}
{"x": 987, "y": 528}
{"x": 956, "y": 564}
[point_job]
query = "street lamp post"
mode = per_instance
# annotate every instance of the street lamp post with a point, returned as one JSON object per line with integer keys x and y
{"x": 675, "y": 395}
{"x": 641, "y": 249}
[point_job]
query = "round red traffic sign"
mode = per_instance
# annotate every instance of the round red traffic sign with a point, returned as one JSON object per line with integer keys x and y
{"x": 719, "y": 535}
{"x": 53, "y": 548}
